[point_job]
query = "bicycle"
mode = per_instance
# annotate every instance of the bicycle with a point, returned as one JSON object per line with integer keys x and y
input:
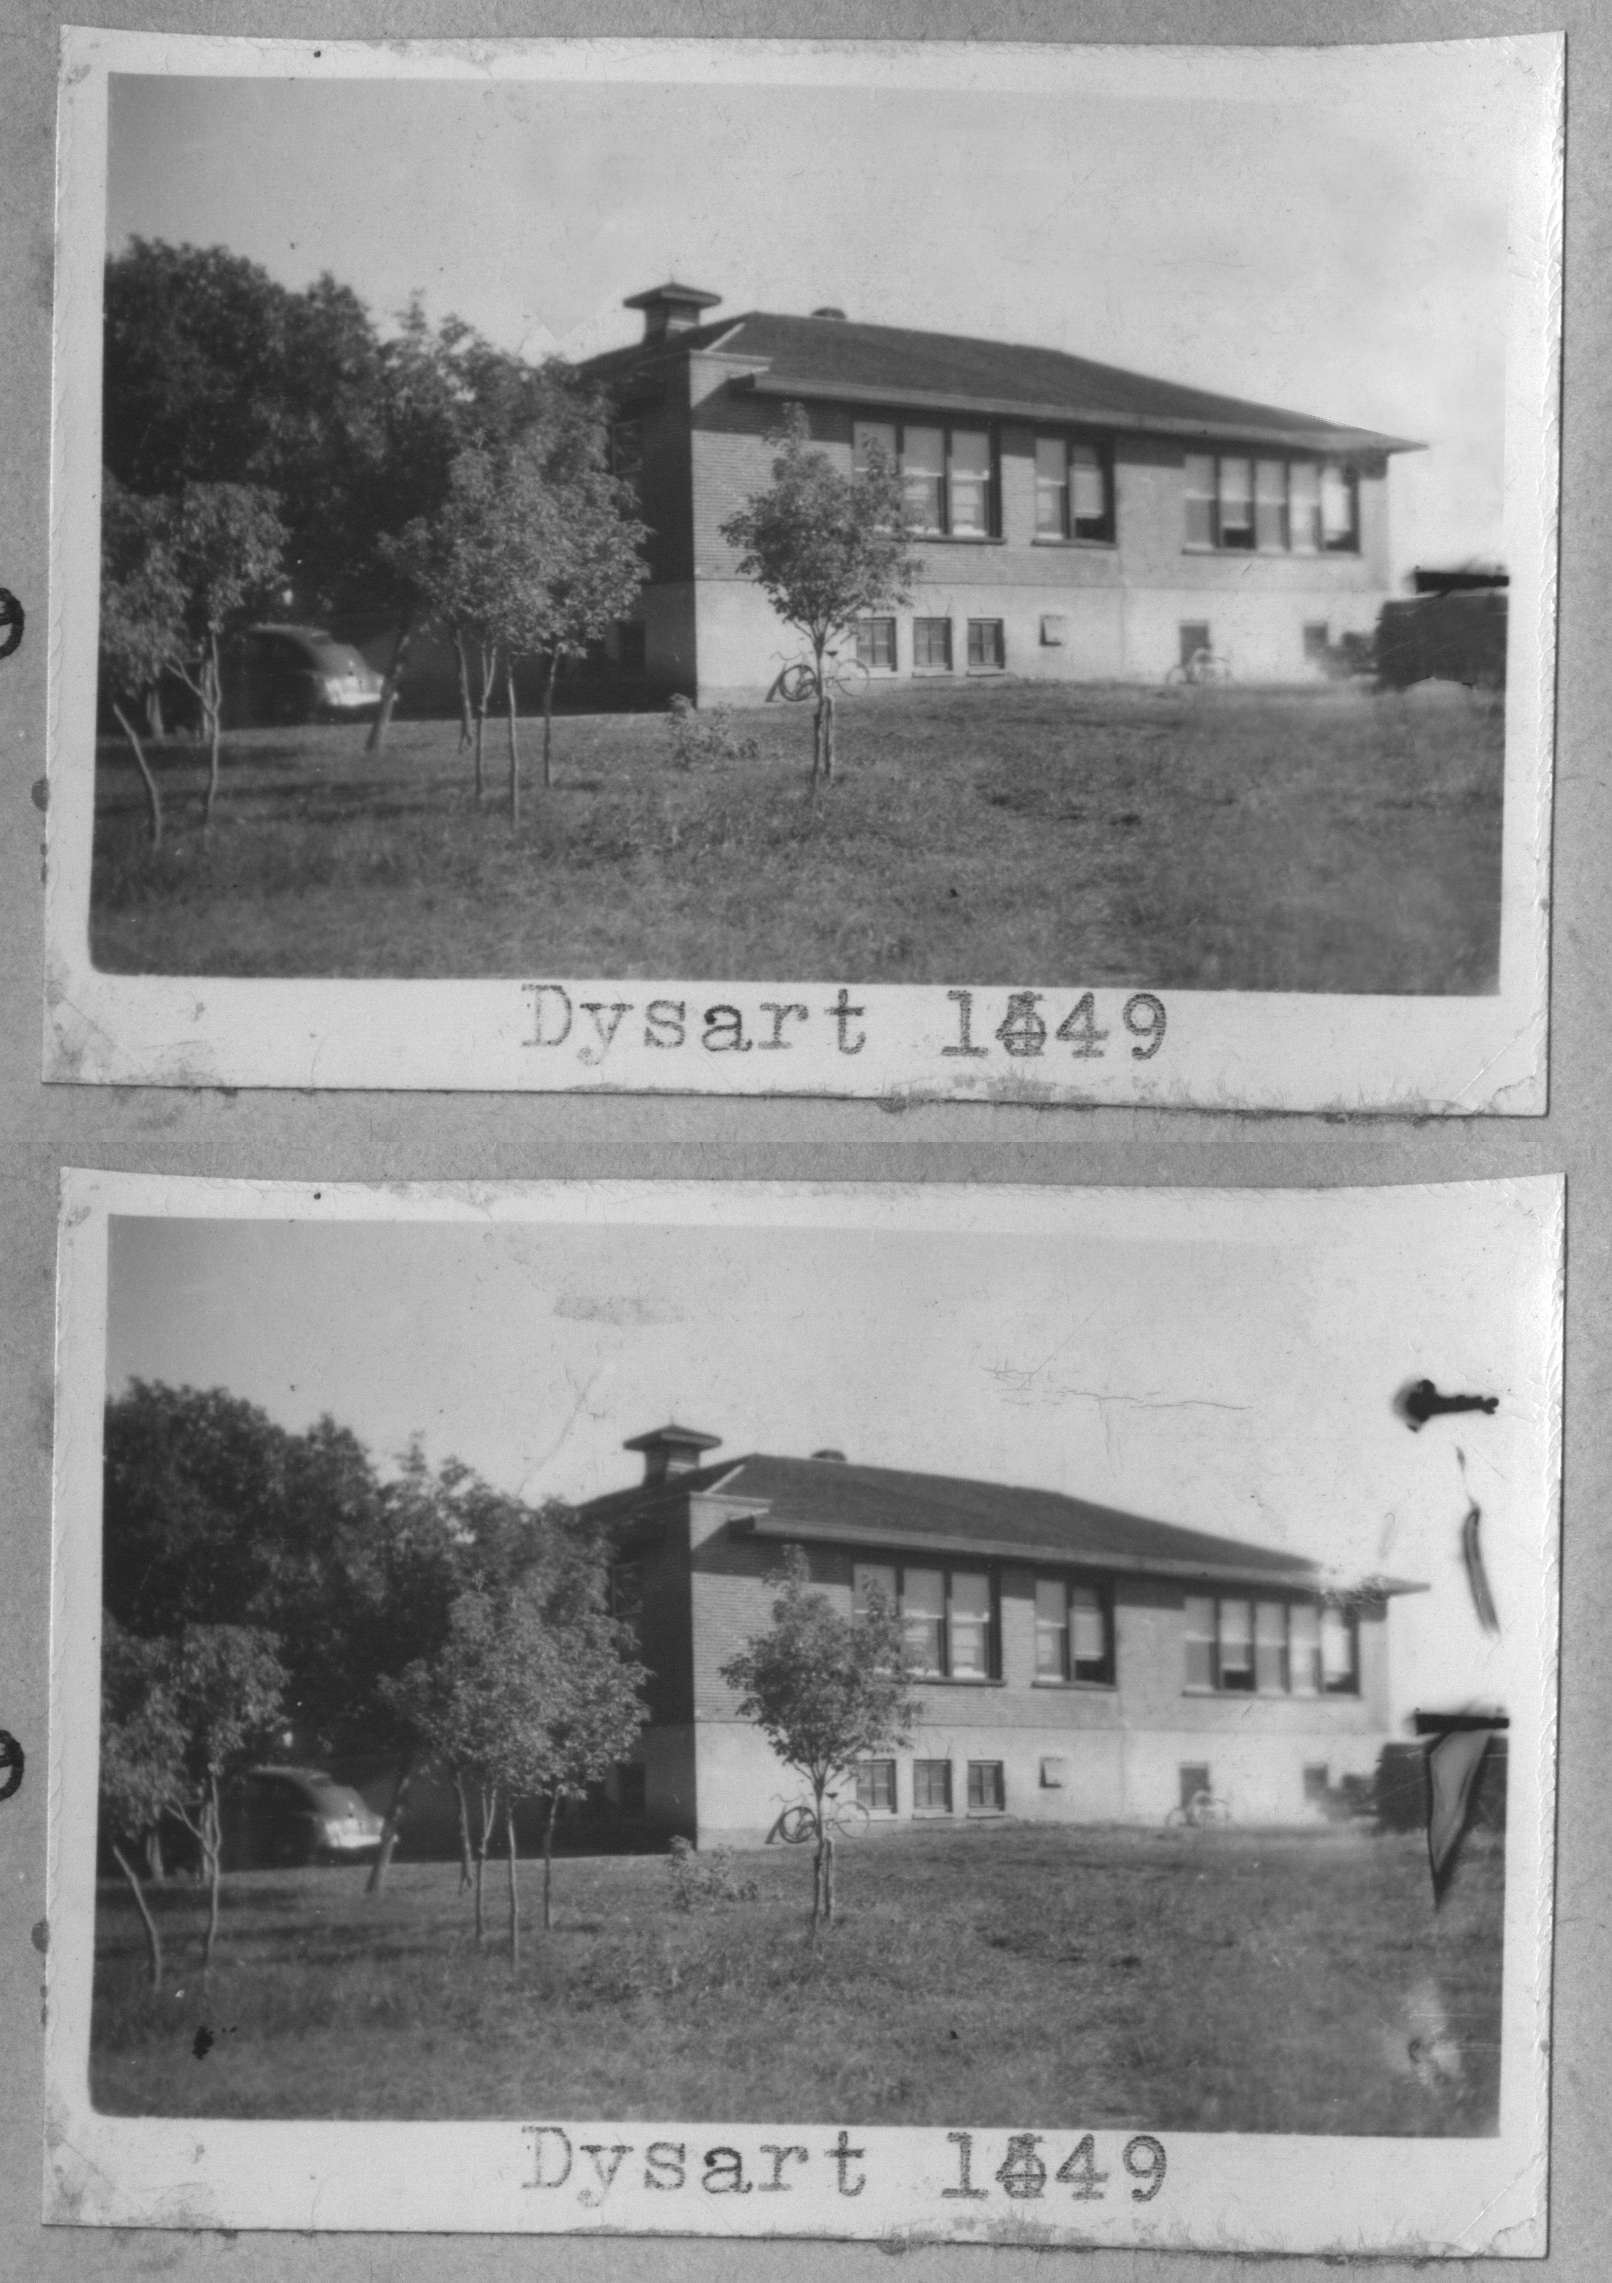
{"x": 799, "y": 684}
{"x": 798, "y": 1826}
{"x": 1205, "y": 668}
{"x": 1205, "y": 1810}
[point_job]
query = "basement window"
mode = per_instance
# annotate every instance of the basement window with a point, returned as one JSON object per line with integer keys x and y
{"x": 987, "y": 646}
{"x": 876, "y": 1786}
{"x": 987, "y": 1791}
{"x": 931, "y": 1787}
{"x": 876, "y": 644}
{"x": 931, "y": 645}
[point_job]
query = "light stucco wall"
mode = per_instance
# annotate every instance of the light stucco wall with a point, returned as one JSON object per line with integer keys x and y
{"x": 1122, "y": 606}
{"x": 1122, "y": 1746}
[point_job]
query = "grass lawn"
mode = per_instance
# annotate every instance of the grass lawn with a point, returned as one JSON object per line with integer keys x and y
{"x": 1188, "y": 1981}
{"x": 1312, "y": 840}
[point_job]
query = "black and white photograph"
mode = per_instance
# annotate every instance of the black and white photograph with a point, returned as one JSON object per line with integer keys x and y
{"x": 760, "y": 567}
{"x": 933, "y": 1713}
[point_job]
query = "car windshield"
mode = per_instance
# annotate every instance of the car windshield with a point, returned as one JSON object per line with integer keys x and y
{"x": 336, "y": 658}
{"x": 336, "y": 1799}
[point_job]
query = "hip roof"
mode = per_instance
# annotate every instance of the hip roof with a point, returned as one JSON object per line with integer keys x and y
{"x": 835, "y": 360}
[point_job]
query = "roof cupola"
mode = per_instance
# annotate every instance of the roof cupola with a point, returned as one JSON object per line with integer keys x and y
{"x": 671, "y": 1450}
{"x": 671, "y": 308}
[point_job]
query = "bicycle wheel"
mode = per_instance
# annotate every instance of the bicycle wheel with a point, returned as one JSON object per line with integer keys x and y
{"x": 1177, "y": 676}
{"x": 850, "y": 1817}
{"x": 796, "y": 1826}
{"x": 1176, "y": 1820}
{"x": 851, "y": 676}
{"x": 796, "y": 683}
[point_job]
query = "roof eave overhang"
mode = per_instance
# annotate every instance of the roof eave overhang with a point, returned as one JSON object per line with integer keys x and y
{"x": 805, "y": 390}
{"x": 1302, "y": 1575}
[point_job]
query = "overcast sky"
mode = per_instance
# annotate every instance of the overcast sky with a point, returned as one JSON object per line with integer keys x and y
{"x": 1190, "y": 1362}
{"x": 1312, "y": 232}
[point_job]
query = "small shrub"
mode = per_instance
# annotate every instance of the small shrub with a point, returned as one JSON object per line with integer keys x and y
{"x": 701, "y": 739}
{"x": 705, "y": 1882}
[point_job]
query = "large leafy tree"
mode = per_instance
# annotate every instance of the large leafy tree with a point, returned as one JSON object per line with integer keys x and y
{"x": 214, "y": 373}
{"x": 826, "y": 1690}
{"x": 826, "y": 548}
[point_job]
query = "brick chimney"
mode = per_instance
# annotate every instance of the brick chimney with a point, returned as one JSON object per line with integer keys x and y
{"x": 672, "y": 1450}
{"x": 670, "y": 309}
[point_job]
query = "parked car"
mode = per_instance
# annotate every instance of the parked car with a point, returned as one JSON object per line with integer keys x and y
{"x": 275, "y": 1816}
{"x": 276, "y": 674}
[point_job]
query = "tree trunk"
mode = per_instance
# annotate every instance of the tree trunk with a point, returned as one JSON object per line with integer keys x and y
{"x": 819, "y": 1863}
{"x": 389, "y": 688}
{"x": 548, "y": 720}
{"x": 828, "y": 737}
{"x": 153, "y": 797}
{"x": 153, "y": 1938}
{"x": 389, "y": 1830}
{"x": 819, "y": 721}
{"x": 465, "y": 1874}
{"x": 464, "y": 688}
{"x": 548, "y": 1861}
{"x": 212, "y": 711}
{"x": 156, "y": 1868}
{"x": 514, "y": 1896}
{"x": 514, "y": 750}
{"x": 212, "y": 1851}
{"x": 489, "y": 1818}
{"x": 155, "y": 726}
{"x": 828, "y": 1880}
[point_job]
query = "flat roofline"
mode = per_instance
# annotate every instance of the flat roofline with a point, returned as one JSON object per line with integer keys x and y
{"x": 1320, "y": 439}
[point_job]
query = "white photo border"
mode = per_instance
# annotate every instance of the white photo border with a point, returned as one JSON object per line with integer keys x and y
{"x": 1267, "y": 2194}
{"x": 566, "y": 1033}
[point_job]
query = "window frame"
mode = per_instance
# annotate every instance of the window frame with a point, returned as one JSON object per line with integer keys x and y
{"x": 997, "y": 1770}
{"x": 947, "y": 429}
{"x": 1302, "y": 1659}
{"x": 876, "y": 1768}
{"x": 1069, "y": 533}
{"x": 1070, "y": 1676}
{"x": 872, "y": 621}
{"x": 927, "y": 665}
{"x": 992, "y": 1676}
{"x": 999, "y": 666}
{"x": 928, "y": 1806}
{"x": 1299, "y": 534}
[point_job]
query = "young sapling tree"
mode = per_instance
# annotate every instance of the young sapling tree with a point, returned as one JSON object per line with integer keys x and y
{"x": 826, "y": 549}
{"x": 826, "y": 1691}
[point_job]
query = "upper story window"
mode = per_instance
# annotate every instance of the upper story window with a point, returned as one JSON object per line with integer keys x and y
{"x": 627, "y": 455}
{"x": 1074, "y": 489}
{"x": 947, "y": 1615}
{"x": 1238, "y": 502}
{"x": 1271, "y": 1648}
{"x": 1074, "y": 1630}
{"x": 947, "y": 473}
{"x": 627, "y": 1596}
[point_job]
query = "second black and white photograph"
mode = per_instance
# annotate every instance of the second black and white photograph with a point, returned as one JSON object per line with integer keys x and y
{"x": 1033, "y": 1680}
